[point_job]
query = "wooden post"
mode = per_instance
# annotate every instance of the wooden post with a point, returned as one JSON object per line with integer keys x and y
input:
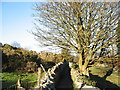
{"x": 39, "y": 75}
{"x": 18, "y": 84}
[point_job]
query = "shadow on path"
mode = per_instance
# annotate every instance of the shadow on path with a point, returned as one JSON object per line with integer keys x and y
{"x": 65, "y": 81}
{"x": 103, "y": 84}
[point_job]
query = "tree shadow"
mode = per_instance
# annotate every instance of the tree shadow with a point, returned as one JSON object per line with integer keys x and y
{"x": 104, "y": 84}
{"x": 108, "y": 73}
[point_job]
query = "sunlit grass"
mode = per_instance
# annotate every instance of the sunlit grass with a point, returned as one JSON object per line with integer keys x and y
{"x": 101, "y": 71}
{"x": 27, "y": 80}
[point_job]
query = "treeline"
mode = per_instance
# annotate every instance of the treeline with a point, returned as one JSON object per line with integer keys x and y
{"x": 19, "y": 60}
{"x": 24, "y": 61}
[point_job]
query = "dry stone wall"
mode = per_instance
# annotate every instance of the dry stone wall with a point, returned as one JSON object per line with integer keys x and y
{"x": 75, "y": 75}
{"x": 52, "y": 76}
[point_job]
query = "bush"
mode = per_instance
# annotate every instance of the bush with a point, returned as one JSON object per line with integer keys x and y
{"x": 27, "y": 67}
{"x": 19, "y": 60}
{"x": 86, "y": 80}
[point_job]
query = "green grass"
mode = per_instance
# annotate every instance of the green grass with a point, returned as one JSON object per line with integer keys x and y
{"x": 101, "y": 71}
{"x": 27, "y": 80}
{"x": 30, "y": 80}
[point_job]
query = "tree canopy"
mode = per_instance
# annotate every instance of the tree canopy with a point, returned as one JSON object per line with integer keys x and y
{"x": 89, "y": 28}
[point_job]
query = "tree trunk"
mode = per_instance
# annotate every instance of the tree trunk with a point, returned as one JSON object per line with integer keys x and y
{"x": 85, "y": 70}
{"x": 83, "y": 67}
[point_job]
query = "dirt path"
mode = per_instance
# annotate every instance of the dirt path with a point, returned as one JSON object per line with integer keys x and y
{"x": 65, "y": 80}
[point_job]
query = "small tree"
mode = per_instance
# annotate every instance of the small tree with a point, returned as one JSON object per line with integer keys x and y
{"x": 83, "y": 27}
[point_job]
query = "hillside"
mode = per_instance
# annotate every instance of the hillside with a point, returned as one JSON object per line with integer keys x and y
{"x": 19, "y": 60}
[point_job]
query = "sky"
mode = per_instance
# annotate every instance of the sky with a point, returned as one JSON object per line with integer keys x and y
{"x": 17, "y": 23}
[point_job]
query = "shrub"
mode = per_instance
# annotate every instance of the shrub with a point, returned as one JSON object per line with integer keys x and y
{"x": 86, "y": 80}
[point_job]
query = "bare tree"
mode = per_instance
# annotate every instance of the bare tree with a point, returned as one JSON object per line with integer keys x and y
{"x": 83, "y": 27}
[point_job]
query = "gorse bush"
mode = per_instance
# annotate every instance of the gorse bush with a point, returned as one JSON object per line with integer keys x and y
{"x": 23, "y": 61}
{"x": 17, "y": 59}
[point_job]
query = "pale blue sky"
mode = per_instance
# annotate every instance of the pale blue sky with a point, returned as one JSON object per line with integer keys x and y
{"x": 17, "y": 21}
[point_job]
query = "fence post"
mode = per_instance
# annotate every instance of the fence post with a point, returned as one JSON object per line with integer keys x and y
{"x": 39, "y": 75}
{"x": 18, "y": 84}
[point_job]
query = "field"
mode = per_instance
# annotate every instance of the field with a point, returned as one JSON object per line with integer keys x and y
{"x": 10, "y": 79}
{"x": 100, "y": 72}
{"x": 30, "y": 80}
